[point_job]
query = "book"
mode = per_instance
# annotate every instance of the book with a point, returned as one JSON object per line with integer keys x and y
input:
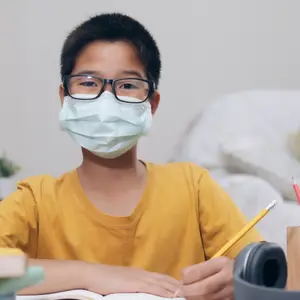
{"x": 32, "y": 276}
{"x": 87, "y": 295}
{"x": 13, "y": 263}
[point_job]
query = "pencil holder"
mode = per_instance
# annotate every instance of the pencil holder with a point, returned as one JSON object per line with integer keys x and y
{"x": 293, "y": 258}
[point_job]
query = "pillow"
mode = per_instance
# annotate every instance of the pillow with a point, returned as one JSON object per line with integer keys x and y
{"x": 271, "y": 163}
{"x": 234, "y": 116}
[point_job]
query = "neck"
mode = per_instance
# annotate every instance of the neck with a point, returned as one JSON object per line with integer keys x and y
{"x": 125, "y": 167}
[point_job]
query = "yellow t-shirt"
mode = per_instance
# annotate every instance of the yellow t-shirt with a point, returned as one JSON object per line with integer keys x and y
{"x": 183, "y": 218}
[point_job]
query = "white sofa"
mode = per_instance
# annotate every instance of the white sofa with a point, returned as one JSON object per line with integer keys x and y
{"x": 247, "y": 141}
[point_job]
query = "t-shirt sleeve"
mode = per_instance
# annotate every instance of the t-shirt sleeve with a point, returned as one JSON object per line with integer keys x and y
{"x": 220, "y": 219}
{"x": 18, "y": 220}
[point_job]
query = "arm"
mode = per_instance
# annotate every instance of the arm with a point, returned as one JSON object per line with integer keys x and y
{"x": 220, "y": 219}
{"x": 19, "y": 229}
{"x": 60, "y": 275}
{"x": 101, "y": 279}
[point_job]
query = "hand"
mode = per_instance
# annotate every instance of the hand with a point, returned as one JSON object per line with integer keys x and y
{"x": 104, "y": 279}
{"x": 210, "y": 280}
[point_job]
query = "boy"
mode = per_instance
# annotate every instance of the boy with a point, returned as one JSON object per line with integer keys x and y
{"x": 117, "y": 224}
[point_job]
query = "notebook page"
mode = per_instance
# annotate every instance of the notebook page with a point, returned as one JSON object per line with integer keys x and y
{"x": 74, "y": 294}
{"x": 137, "y": 296}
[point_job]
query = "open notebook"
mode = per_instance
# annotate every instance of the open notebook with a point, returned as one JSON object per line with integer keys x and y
{"x": 87, "y": 295}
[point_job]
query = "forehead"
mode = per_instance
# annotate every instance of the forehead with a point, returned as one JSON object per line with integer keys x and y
{"x": 109, "y": 59}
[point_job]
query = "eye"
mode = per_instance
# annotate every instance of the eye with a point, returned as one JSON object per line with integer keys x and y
{"x": 88, "y": 84}
{"x": 128, "y": 86}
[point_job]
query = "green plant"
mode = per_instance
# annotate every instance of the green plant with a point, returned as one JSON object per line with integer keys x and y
{"x": 7, "y": 167}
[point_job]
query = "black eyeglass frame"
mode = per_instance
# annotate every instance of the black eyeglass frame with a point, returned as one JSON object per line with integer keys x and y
{"x": 105, "y": 81}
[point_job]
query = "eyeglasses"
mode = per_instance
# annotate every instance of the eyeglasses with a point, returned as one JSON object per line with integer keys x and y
{"x": 88, "y": 87}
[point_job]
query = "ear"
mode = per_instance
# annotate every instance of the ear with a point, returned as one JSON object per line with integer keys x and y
{"x": 61, "y": 94}
{"x": 155, "y": 99}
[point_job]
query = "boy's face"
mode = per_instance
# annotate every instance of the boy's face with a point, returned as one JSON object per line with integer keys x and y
{"x": 111, "y": 60}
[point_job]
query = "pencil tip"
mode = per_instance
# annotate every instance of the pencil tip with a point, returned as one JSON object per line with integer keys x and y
{"x": 271, "y": 205}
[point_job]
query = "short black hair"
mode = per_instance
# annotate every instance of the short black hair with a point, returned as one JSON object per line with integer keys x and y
{"x": 112, "y": 27}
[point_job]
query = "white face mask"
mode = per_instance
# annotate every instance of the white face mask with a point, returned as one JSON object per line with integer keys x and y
{"x": 105, "y": 126}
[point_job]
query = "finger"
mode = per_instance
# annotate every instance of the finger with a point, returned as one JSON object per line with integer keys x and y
{"x": 204, "y": 270}
{"x": 177, "y": 293}
{"x": 225, "y": 294}
{"x": 164, "y": 283}
{"x": 167, "y": 278}
{"x": 210, "y": 285}
{"x": 156, "y": 290}
{"x": 170, "y": 287}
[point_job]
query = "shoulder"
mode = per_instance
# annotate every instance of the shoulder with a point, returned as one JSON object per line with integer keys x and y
{"x": 30, "y": 194}
{"x": 41, "y": 185}
{"x": 192, "y": 176}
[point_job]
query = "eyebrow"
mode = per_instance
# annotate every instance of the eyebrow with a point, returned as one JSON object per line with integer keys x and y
{"x": 95, "y": 73}
{"x": 132, "y": 72}
{"x": 87, "y": 72}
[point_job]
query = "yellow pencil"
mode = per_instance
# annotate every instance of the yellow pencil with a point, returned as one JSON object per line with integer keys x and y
{"x": 246, "y": 229}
